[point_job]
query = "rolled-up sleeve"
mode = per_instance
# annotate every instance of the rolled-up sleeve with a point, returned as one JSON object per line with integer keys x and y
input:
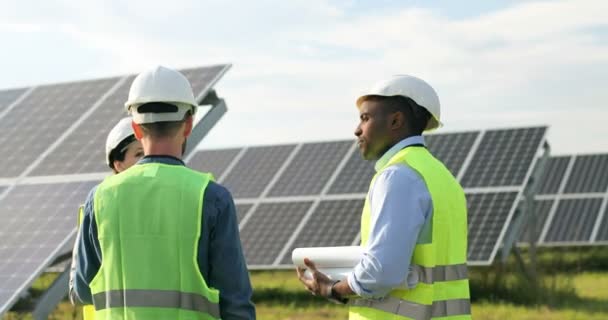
{"x": 227, "y": 269}
{"x": 86, "y": 256}
{"x": 401, "y": 207}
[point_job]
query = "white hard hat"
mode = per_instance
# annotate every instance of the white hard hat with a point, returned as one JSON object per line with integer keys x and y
{"x": 410, "y": 87}
{"x": 160, "y": 84}
{"x": 121, "y": 131}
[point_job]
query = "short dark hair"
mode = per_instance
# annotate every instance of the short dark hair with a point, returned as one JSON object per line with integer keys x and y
{"x": 161, "y": 129}
{"x": 417, "y": 117}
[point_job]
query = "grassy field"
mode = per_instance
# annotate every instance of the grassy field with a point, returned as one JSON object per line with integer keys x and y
{"x": 573, "y": 285}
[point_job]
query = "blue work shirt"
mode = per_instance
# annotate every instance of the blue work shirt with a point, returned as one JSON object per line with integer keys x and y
{"x": 220, "y": 256}
{"x": 401, "y": 211}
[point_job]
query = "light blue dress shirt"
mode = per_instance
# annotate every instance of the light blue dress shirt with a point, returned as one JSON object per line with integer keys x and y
{"x": 401, "y": 211}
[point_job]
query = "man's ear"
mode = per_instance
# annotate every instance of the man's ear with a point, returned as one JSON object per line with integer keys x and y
{"x": 397, "y": 120}
{"x": 118, "y": 167}
{"x": 137, "y": 130}
{"x": 188, "y": 128}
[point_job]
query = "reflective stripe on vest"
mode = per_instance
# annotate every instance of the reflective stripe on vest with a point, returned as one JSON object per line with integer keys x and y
{"x": 155, "y": 299}
{"x": 417, "y": 311}
{"x": 440, "y": 273}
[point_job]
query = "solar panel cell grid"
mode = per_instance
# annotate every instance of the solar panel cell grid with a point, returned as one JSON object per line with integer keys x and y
{"x": 241, "y": 211}
{"x": 24, "y": 134}
{"x": 589, "y": 174}
{"x": 574, "y": 220}
{"x": 487, "y": 214}
{"x": 541, "y": 209}
{"x": 84, "y": 150}
{"x": 553, "y": 175}
{"x": 602, "y": 234}
{"x": 269, "y": 228}
{"x": 451, "y": 148}
{"x": 255, "y": 169}
{"x": 354, "y": 177}
{"x": 310, "y": 169}
{"x": 503, "y": 157}
{"x": 213, "y": 161}
{"x": 333, "y": 223}
{"x": 36, "y": 220}
{"x": 7, "y": 97}
{"x": 201, "y": 79}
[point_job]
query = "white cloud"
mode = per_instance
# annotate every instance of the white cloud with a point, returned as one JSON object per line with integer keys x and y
{"x": 298, "y": 65}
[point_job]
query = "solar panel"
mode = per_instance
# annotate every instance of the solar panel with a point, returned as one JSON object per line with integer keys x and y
{"x": 213, "y": 161}
{"x": 271, "y": 225}
{"x": 66, "y": 123}
{"x": 333, "y": 223}
{"x": 83, "y": 152}
{"x": 589, "y": 174}
{"x": 9, "y": 96}
{"x": 25, "y": 134}
{"x": 250, "y": 176}
{"x": 310, "y": 169}
{"x": 574, "y": 220}
{"x": 602, "y": 235}
{"x": 36, "y": 221}
{"x": 241, "y": 211}
{"x": 541, "y": 209}
{"x": 487, "y": 214}
{"x": 451, "y": 148}
{"x": 503, "y": 157}
{"x": 354, "y": 177}
{"x": 554, "y": 174}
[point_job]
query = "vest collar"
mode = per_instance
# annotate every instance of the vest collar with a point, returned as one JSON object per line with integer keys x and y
{"x": 386, "y": 157}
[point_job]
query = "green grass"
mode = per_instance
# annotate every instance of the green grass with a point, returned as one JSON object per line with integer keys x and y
{"x": 573, "y": 285}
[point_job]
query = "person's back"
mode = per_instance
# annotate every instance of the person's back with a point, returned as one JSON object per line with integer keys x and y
{"x": 167, "y": 235}
{"x": 156, "y": 219}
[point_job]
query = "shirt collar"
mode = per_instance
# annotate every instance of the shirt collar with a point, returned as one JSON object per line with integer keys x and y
{"x": 386, "y": 157}
{"x": 164, "y": 159}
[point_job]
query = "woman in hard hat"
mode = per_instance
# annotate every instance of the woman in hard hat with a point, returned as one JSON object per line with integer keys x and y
{"x": 122, "y": 149}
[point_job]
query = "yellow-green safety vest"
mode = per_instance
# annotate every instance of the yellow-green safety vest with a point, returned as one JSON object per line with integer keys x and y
{"x": 149, "y": 224}
{"x": 442, "y": 291}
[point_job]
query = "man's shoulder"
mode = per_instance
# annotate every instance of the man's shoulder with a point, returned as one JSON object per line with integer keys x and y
{"x": 217, "y": 191}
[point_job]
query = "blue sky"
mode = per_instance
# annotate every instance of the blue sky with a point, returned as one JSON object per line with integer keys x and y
{"x": 299, "y": 65}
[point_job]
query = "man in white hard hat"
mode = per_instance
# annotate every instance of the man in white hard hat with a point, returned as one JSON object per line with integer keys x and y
{"x": 167, "y": 235}
{"x": 123, "y": 150}
{"x": 414, "y": 221}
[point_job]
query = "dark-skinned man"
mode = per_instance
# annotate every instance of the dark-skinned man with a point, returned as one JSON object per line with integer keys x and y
{"x": 414, "y": 221}
{"x": 159, "y": 240}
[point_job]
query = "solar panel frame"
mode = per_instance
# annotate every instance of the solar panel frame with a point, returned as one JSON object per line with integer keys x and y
{"x": 255, "y": 170}
{"x": 213, "y": 161}
{"x": 35, "y": 131}
{"x": 52, "y": 215}
{"x": 570, "y": 225}
{"x": 589, "y": 174}
{"x": 555, "y": 172}
{"x": 262, "y": 251}
{"x": 7, "y": 97}
{"x": 310, "y": 169}
{"x": 326, "y": 224}
{"x": 513, "y": 169}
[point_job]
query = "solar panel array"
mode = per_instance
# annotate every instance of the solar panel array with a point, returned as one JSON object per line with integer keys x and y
{"x": 572, "y": 200}
{"x": 311, "y": 194}
{"x": 52, "y": 140}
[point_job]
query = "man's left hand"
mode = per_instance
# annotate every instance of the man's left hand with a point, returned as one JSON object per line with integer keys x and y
{"x": 319, "y": 284}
